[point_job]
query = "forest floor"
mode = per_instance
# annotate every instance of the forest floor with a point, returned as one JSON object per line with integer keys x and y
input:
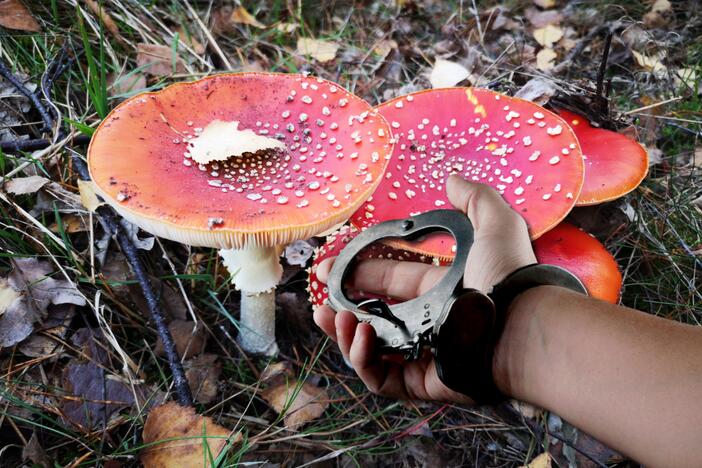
{"x": 78, "y": 378}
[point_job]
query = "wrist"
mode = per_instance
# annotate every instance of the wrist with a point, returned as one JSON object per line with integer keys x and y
{"x": 512, "y": 361}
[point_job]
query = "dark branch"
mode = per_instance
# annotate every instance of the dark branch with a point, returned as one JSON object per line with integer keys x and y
{"x": 45, "y": 116}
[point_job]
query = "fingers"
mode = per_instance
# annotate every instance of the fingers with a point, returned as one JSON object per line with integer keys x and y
{"x": 400, "y": 280}
{"x": 483, "y": 205}
{"x": 324, "y": 318}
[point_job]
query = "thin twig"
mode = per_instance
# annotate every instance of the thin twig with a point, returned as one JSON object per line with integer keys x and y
{"x": 108, "y": 219}
{"x": 37, "y": 144}
{"x": 45, "y": 116}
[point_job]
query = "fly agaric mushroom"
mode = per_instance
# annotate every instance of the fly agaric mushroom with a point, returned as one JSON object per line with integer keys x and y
{"x": 526, "y": 152}
{"x": 245, "y": 163}
{"x": 580, "y": 253}
{"x": 614, "y": 164}
{"x": 335, "y": 242}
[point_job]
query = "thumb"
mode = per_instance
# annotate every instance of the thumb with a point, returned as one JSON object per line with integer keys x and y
{"x": 483, "y": 205}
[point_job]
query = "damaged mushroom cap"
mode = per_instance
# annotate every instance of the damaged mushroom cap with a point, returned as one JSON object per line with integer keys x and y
{"x": 333, "y": 149}
{"x": 335, "y": 243}
{"x": 584, "y": 256}
{"x": 614, "y": 164}
{"x": 526, "y": 152}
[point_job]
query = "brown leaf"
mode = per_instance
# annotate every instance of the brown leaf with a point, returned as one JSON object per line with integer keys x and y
{"x": 241, "y": 16}
{"x": 71, "y": 224}
{"x": 35, "y": 292}
{"x": 25, "y": 185}
{"x": 539, "y": 18}
{"x": 188, "y": 343}
{"x": 48, "y": 339}
{"x": 537, "y": 90}
{"x": 300, "y": 402}
{"x": 196, "y": 437}
{"x": 158, "y": 60}
{"x": 321, "y": 51}
{"x": 191, "y": 40}
{"x": 34, "y": 452}
{"x": 105, "y": 17}
{"x": 14, "y": 15}
{"x": 127, "y": 84}
{"x": 203, "y": 374}
{"x": 96, "y": 394}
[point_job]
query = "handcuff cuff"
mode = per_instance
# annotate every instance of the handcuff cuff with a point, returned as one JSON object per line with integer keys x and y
{"x": 461, "y": 326}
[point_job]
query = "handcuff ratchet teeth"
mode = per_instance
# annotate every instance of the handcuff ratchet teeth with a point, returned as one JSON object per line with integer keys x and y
{"x": 409, "y": 326}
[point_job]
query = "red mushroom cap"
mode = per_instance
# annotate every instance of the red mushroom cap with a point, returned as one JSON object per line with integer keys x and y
{"x": 336, "y": 242}
{"x": 528, "y": 153}
{"x": 581, "y": 254}
{"x": 336, "y": 150}
{"x": 614, "y": 164}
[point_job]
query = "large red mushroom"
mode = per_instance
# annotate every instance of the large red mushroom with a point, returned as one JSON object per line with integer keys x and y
{"x": 245, "y": 163}
{"x": 530, "y": 155}
{"x": 614, "y": 163}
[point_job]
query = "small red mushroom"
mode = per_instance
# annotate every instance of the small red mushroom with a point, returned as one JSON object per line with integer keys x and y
{"x": 245, "y": 163}
{"x": 584, "y": 256}
{"x": 614, "y": 164}
{"x": 530, "y": 155}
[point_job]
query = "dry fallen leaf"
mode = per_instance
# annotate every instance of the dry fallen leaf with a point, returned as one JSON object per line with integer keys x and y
{"x": 538, "y": 90}
{"x": 286, "y": 28}
{"x": 545, "y": 3}
{"x": 35, "y": 453}
{"x": 321, "y": 51}
{"x": 14, "y": 15}
{"x": 203, "y": 374}
{"x": 539, "y": 18}
{"x": 545, "y": 58}
{"x": 105, "y": 17}
{"x": 659, "y": 15}
{"x": 25, "y": 185}
{"x": 127, "y": 84}
{"x": 540, "y": 461}
{"x": 48, "y": 339}
{"x": 384, "y": 47}
{"x": 548, "y": 35}
{"x": 188, "y": 343}
{"x": 190, "y": 40}
{"x": 446, "y": 74}
{"x": 241, "y": 16}
{"x": 650, "y": 63}
{"x": 88, "y": 197}
{"x": 196, "y": 437}
{"x": 221, "y": 140}
{"x": 33, "y": 290}
{"x": 300, "y": 402}
{"x": 158, "y": 60}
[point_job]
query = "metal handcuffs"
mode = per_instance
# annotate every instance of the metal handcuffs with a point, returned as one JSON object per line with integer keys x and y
{"x": 410, "y": 326}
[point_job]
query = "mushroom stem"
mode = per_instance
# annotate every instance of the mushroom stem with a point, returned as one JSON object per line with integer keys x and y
{"x": 256, "y": 272}
{"x": 257, "y": 323}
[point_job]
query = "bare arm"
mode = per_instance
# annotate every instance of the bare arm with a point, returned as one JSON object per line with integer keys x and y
{"x": 630, "y": 379}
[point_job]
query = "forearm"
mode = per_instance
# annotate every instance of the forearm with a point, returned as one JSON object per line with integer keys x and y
{"x": 630, "y": 379}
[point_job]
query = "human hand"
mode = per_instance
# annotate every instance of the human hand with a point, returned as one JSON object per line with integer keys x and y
{"x": 501, "y": 245}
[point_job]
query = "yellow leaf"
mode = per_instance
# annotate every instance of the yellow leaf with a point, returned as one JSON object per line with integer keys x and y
{"x": 545, "y": 58}
{"x": 87, "y": 195}
{"x": 548, "y": 35}
{"x": 14, "y": 15}
{"x": 541, "y": 461}
{"x": 649, "y": 63}
{"x": 188, "y": 439}
{"x": 221, "y": 140}
{"x": 322, "y": 51}
{"x": 7, "y": 295}
{"x": 241, "y": 16}
{"x": 384, "y": 46}
{"x": 446, "y": 74}
{"x": 301, "y": 404}
{"x": 545, "y": 3}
